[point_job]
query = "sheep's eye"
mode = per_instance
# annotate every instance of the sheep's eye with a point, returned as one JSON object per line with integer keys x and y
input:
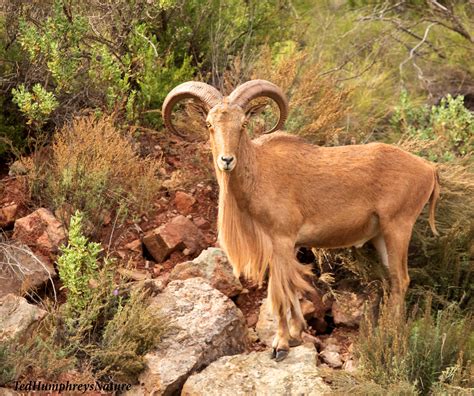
{"x": 208, "y": 124}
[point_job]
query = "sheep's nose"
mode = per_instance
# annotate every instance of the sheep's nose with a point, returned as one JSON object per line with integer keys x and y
{"x": 227, "y": 160}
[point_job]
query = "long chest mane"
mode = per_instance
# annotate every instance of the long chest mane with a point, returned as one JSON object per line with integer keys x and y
{"x": 247, "y": 246}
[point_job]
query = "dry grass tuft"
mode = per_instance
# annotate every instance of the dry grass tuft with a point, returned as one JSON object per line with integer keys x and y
{"x": 317, "y": 107}
{"x": 96, "y": 169}
{"x": 132, "y": 332}
{"x": 429, "y": 349}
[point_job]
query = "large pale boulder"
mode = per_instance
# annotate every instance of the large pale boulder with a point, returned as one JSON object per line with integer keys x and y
{"x": 21, "y": 270}
{"x": 42, "y": 232}
{"x": 203, "y": 325}
{"x": 213, "y": 265}
{"x": 17, "y": 317}
{"x": 258, "y": 374}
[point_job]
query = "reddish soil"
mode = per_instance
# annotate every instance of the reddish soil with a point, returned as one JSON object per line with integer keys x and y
{"x": 193, "y": 165}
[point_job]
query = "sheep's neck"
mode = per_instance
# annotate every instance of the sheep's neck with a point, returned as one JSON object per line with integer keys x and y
{"x": 247, "y": 246}
{"x": 241, "y": 181}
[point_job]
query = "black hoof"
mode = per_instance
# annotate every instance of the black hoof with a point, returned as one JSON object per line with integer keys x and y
{"x": 281, "y": 354}
{"x": 273, "y": 354}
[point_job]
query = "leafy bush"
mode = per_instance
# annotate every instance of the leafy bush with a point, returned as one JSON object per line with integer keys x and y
{"x": 78, "y": 267}
{"x": 87, "y": 55}
{"x": 432, "y": 350}
{"x": 101, "y": 326}
{"x": 36, "y": 105}
{"x": 450, "y": 124}
{"x": 95, "y": 169}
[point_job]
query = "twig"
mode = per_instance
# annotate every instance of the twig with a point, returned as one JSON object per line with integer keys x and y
{"x": 150, "y": 42}
{"x": 113, "y": 228}
{"x": 413, "y": 50}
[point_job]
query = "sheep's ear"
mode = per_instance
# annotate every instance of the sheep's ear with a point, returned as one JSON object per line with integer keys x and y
{"x": 255, "y": 110}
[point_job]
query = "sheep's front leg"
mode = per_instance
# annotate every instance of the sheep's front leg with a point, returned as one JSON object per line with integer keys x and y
{"x": 280, "y": 302}
{"x": 287, "y": 281}
{"x": 281, "y": 345}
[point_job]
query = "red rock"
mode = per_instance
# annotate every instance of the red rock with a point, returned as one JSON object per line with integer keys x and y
{"x": 42, "y": 232}
{"x": 184, "y": 202}
{"x": 178, "y": 234}
{"x": 8, "y": 215}
{"x": 202, "y": 223}
{"x": 252, "y": 319}
{"x": 307, "y": 308}
{"x": 135, "y": 246}
{"x": 320, "y": 304}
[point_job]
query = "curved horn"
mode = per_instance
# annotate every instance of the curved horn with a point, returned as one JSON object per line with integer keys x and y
{"x": 243, "y": 94}
{"x": 206, "y": 93}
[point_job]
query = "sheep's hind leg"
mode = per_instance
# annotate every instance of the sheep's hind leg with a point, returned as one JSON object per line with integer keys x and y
{"x": 392, "y": 247}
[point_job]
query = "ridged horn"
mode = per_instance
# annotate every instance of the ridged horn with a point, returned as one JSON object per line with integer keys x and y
{"x": 245, "y": 93}
{"x": 206, "y": 93}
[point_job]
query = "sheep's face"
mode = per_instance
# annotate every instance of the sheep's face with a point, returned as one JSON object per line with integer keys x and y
{"x": 226, "y": 124}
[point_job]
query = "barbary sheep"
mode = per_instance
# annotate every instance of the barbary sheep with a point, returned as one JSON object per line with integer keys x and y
{"x": 278, "y": 192}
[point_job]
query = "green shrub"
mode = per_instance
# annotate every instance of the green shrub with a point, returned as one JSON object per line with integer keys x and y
{"x": 36, "y": 105}
{"x": 7, "y": 370}
{"x": 78, "y": 268}
{"x": 115, "y": 65}
{"x": 450, "y": 124}
{"x": 101, "y": 326}
{"x": 158, "y": 75}
{"x": 113, "y": 331}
